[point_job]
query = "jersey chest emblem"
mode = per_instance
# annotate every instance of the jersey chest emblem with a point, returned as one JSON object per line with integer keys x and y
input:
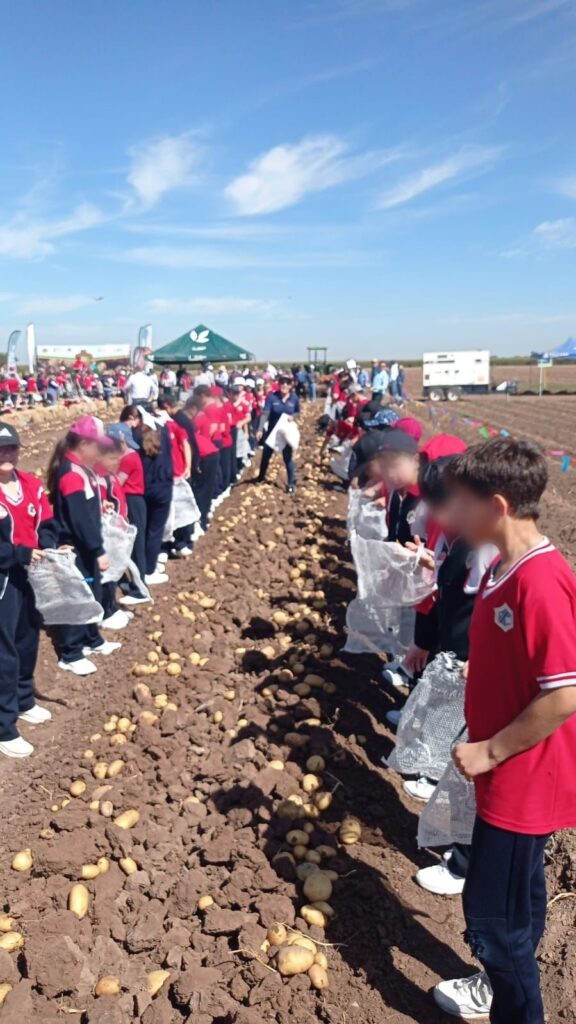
{"x": 504, "y": 618}
{"x": 31, "y": 509}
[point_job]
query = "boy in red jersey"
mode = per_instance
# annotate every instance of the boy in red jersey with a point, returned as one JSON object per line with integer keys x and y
{"x": 520, "y": 712}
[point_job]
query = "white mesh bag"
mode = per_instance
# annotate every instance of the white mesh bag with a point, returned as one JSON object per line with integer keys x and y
{"x": 242, "y": 444}
{"x": 183, "y": 510}
{"x": 375, "y": 629}
{"x": 371, "y": 522}
{"x": 449, "y": 815}
{"x": 341, "y": 461}
{"x": 390, "y": 574}
{"x": 431, "y": 719}
{"x": 62, "y": 595}
{"x": 118, "y": 537}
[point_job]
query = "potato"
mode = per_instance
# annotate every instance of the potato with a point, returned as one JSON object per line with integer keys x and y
{"x": 106, "y": 808}
{"x": 330, "y": 688}
{"x": 322, "y": 800}
{"x": 297, "y": 837}
{"x": 331, "y": 875}
{"x": 127, "y": 819}
{"x": 299, "y": 852}
{"x": 78, "y": 787}
{"x": 276, "y": 934}
{"x": 321, "y": 960}
{"x": 5, "y": 988}
{"x": 204, "y": 902}
{"x": 294, "y": 960}
{"x": 124, "y": 725}
{"x": 115, "y": 768}
{"x": 100, "y": 770}
{"x": 315, "y": 763}
{"x": 318, "y": 976}
{"x": 268, "y": 652}
{"x": 103, "y": 865}
{"x": 22, "y": 861}
{"x": 350, "y": 831}
{"x": 305, "y": 869}
{"x": 11, "y": 941}
{"x": 173, "y": 669}
{"x": 312, "y": 856}
{"x": 298, "y": 939}
{"x": 278, "y": 766}
{"x": 310, "y": 783}
{"x": 229, "y": 694}
{"x": 142, "y": 691}
{"x": 324, "y": 907}
{"x": 326, "y": 851}
{"x": 79, "y": 900}
{"x": 285, "y": 675}
{"x": 128, "y": 865}
{"x": 89, "y": 871}
{"x": 147, "y": 717}
{"x": 160, "y": 700}
{"x": 155, "y": 981}
{"x": 107, "y": 986}
{"x": 7, "y": 923}
{"x": 296, "y": 739}
{"x": 311, "y": 811}
{"x": 217, "y": 717}
{"x": 312, "y": 915}
{"x": 288, "y": 809}
{"x": 317, "y": 887}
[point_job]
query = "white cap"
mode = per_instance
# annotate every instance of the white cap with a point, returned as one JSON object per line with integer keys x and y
{"x": 351, "y": 364}
{"x": 249, "y": 383}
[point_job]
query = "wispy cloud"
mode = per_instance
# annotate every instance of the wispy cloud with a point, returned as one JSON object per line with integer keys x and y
{"x": 282, "y": 176}
{"x": 53, "y": 305}
{"x": 208, "y": 258}
{"x": 164, "y": 164}
{"x": 211, "y": 305}
{"x": 467, "y": 162}
{"x": 547, "y": 237}
{"x": 28, "y": 238}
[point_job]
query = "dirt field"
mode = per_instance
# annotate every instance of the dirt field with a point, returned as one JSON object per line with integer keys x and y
{"x": 200, "y": 777}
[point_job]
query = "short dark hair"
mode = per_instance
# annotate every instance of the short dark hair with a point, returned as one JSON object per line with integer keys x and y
{"x": 202, "y": 391}
{"x": 516, "y": 469}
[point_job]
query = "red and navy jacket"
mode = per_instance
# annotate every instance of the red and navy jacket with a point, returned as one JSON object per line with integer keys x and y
{"x": 26, "y": 522}
{"x": 78, "y": 509}
{"x": 112, "y": 490}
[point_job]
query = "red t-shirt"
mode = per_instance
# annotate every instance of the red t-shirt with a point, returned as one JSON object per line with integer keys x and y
{"x": 523, "y": 643}
{"x": 226, "y": 419}
{"x": 202, "y": 427}
{"x": 131, "y": 473}
{"x": 177, "y": 436}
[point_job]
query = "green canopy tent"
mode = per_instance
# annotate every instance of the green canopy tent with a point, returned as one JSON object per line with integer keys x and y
{"x": 201, "y": 345}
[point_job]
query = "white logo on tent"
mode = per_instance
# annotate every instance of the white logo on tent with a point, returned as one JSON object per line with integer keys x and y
{"x": 200, "y": 339}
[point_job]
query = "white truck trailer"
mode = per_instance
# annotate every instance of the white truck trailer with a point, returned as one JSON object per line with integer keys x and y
{"x": 448, "y": 375}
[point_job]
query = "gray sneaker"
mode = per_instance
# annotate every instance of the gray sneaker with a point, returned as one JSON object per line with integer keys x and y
{"x": 467, "y": 998}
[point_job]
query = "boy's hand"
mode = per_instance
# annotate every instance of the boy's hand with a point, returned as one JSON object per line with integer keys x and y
{"x": 103, "y": 563}
{"x": 426, "y": 557}
{"x": 416, "y": 659}
{"x": 472, "y": 759}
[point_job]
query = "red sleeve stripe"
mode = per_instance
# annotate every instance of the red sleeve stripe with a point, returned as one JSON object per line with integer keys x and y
{"x": 559, "y": 682}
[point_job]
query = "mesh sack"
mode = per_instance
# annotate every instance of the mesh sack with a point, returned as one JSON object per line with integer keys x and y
{"x": 183, "y": 510}
{"x": 341, "y": 461}
{"x": 354, "y": 503}
{"x": 449, "y": 815}
{"x": 375, "y": 629}
{"x": 389, "y": 573}
{"x": 118, "y": 537}
{"x": 242, "y": 445}
{"x": 63, "y": 598}
{"x": 371, "y": 522}
{"x": 432, "y": 717}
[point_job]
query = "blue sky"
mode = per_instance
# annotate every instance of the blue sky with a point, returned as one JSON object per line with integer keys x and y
{"x": 378, "y": 176}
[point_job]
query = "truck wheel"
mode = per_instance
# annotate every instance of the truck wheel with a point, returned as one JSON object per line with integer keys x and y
{"x": 453, "y": 394}
{"x": 435, "y": 394}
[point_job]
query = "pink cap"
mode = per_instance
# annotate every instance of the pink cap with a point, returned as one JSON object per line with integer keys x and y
{"x": 90, "y": 428}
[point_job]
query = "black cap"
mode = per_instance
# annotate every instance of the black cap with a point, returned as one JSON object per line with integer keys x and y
{"x": 376, "y": 442}
{"x": 9, "y": 436}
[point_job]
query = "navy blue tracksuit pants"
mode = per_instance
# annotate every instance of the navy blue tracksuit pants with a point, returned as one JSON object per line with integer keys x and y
{"x": 137, "y": 516}
{"x": 19, "y": 634}
{"x": 505, "y": 911}
{"x": 203, "y": 484}
{"x": 157, "y": 510}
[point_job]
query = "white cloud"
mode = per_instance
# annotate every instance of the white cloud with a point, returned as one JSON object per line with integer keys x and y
{"x": 24, "y": 237}
{"x": 48, "y": 305}
{"x": 161, "y": 165}
{"x": 208, "y": 305}
{"x": 284, "y": 174}
{"x": 556, "y": 234}
{"x": 468, "y": 160}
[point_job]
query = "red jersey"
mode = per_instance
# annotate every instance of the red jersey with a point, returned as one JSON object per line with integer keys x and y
{"x": 131, "y": 473}
{"x": 13, "y": 385}
{"x": 27, "y": 510}
{"x": 177, "y": 436}
{"x": 202, "y": 430}
{"x": 523, "y": 643}
{"x": 241, "y": 409}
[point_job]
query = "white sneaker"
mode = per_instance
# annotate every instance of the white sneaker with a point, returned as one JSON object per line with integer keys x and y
{"x": 396, "y": 676}
{"x": 106, "y": 648}
{"x": 420, "y": 789}
{"x": 35, "y": 715}
{"x": 119, "y": 620}
{"x": 393, "y": 717}
{"x": 16, "y": 748}
{"x": 128, "y": 600}
{"x": 468, "y": 998}
{"x": 82, "y": 667}
{"x": 163, "y": 557}
{"x": 160, "y": 568}
{"x": 183, "y": 552}
{"x": 155, "y": 578}
{"x": 440, "y": 880}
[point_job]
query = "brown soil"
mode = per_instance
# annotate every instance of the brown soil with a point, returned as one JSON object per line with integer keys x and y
{"x": 207, "y": 800}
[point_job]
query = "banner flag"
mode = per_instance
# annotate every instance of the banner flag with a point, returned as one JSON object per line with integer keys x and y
{"x": 12, "y": 351}
{"x": 31, "y": 347}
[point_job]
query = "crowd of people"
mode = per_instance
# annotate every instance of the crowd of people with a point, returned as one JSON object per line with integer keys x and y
{"x": 483, "y": 670}
{"x": 496, "y": 627}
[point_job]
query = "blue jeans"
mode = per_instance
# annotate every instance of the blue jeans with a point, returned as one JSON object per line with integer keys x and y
{"x": 505, "y": 911}
{"x": 287, "y": 454}
{"x": 313, "y": 390}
